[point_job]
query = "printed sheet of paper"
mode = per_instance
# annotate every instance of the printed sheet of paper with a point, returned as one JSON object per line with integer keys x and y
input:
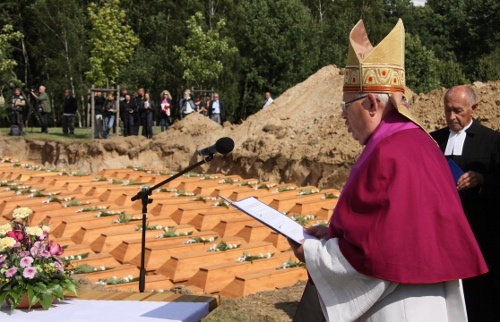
{"x": 271, "y": 218}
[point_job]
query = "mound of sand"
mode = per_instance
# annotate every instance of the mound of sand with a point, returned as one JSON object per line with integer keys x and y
{"x": 300, "y": 138}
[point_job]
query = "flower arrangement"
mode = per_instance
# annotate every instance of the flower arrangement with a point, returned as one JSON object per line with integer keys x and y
{"x": 307, "y": 192}
{"x": 173, "y": 233}
{"x": 30, "y": 263}
{"x": 291, "y": 264}
{"x": 222, "y": 247}
{"x": 196, "y": 240}
{"x": 303, "y": 220}
{"x": 250, "y": 258}
{"x": 115, "y": 280}
{"x": 124, "y": 219}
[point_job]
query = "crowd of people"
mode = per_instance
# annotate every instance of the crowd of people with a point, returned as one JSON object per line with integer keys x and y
{"x": 128, "y": 111}
{"x": 139, "y": 110}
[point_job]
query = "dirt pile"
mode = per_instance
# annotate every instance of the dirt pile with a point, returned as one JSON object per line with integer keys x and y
{"x": 300, "y": 138}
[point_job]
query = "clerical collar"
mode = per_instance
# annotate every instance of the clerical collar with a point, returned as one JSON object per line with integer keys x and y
{"x": 456, "y": 141}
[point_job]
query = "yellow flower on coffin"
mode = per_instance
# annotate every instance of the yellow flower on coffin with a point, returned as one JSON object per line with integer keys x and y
{"x": 21, "y": 212}
{"x": 34, "y": 231}
{"x": 4, "y": 229}
{"x": 7, "y": 242}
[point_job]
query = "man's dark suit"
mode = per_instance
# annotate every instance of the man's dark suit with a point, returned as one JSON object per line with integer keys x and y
{"x": 481, "y": 206}
{"x": 221, "y": 108}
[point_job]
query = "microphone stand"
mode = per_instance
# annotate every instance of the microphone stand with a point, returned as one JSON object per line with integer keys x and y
{"x": 144, "y": 196}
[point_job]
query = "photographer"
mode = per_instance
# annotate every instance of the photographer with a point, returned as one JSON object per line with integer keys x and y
{"x": 43, "y": 103}
{"x": 17, "y": 105}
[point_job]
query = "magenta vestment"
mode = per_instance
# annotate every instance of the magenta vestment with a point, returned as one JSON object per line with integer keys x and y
{"x": 399, "y": 216}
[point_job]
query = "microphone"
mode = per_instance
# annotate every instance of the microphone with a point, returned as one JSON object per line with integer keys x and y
{"x": 222, "y": 146}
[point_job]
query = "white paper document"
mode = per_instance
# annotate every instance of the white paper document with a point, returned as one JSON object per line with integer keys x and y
{"x": 271, "y": 218}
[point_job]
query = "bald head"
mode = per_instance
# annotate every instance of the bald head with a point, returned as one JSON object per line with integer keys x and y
{"x": 463, "y": 91}
{"x": 459, "y": 106}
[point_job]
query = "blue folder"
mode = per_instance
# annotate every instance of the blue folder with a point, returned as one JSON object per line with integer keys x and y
{"x": 456, "y": 171}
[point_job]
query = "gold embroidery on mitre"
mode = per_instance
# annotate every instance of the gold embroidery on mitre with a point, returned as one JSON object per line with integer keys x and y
{"x": 375, "y": 69}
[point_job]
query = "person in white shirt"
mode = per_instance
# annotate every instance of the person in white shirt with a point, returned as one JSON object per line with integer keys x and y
{"x": 216, "y": 110}
{"x": 269, "y": 100}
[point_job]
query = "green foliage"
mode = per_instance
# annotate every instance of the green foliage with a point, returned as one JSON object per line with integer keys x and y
{"x": 421, "y": 66}
{"x": 112, "y": 40}
{"x": 203, "y": 67}
{"x": 489, "y": 67}
{"x": 279, "y": 47}
{"x": 7, "y": 63}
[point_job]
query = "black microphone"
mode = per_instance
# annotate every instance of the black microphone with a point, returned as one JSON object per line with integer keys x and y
{"x": 222, "y": 146}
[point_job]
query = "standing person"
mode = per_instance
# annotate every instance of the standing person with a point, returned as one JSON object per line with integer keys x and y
{"x": 109, "y": 114}
{"x": 199, "y": 105}
{"x": 186, "y": 104}
{"x": 69, "y": 110}
{"x": 43, "y": 102}
{"x": 268, "y": 100}
{"x": 127, "y": 110}
{"x": 147, "y": 115}
{"x": 139, "y": 102}
{"x": 398, "y": 242}
{"x": 99, "y": 101}
{"x": 17, "y": 106}
{"x": 475, "y": 148}
{"x": 216, "y": 110}
{"x": 165, "y": 111}
{"x": 207, "y": 104}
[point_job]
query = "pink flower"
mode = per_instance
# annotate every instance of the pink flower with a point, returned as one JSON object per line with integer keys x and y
{"x": 45, "y": 254}
{"x": 36, "y": 249}
{"x": 24, "y": 253}
{"x": 26, "y": 261}
{"x": 60, "y": 268}
{"x": 29, "y": 272}
{"x": 55, "y": 249}
{"x": 2, "y": 258}
{"x": 11, "y": 272}
{"x": 17, "y": 235}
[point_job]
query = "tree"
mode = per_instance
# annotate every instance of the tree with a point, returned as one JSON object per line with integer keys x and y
{"x": 279, "y": 47}
{"x": 7, "y": 64}
{"x": 489, "y": 68}
{"x": 421, "y": 66}
{"x": 112, "y": 41}
{"x": 203, "y": 67}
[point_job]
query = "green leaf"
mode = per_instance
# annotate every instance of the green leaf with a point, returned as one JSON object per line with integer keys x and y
{"x": 47, "y": 299}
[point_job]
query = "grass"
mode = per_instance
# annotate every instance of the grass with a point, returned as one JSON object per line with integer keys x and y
{"x": 82, "y": 134}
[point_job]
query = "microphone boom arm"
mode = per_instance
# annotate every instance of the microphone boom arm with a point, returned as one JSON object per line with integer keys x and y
{"x": 144, "y": 196}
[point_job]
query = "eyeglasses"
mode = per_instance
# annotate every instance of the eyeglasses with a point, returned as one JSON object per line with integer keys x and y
{"x": 345, "y": 105}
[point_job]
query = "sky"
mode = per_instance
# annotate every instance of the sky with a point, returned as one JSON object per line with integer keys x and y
{"x": 418, "y": 2}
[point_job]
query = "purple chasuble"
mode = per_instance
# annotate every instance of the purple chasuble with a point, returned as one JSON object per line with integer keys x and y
{"x": 399, "y": 216}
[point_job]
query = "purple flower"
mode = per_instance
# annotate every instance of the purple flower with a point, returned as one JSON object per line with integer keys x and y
{"x": 26, "y": 261}
{"x": 24, "y": 253}
{"x": 29, "y": 272}
{"x": 55, "y": 249}
{"x": 11, "y": 272}
{"x": 2, "y": 258}
{"x": 36, "y": 249}
{"x": 45, "y": 254}
{"x": 60, "y": 268}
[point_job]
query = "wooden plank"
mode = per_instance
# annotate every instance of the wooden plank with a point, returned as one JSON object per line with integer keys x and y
{"x": 214, "y": 278}
{"x": 267, "y": 280}
{"x": 183, "y": 266}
